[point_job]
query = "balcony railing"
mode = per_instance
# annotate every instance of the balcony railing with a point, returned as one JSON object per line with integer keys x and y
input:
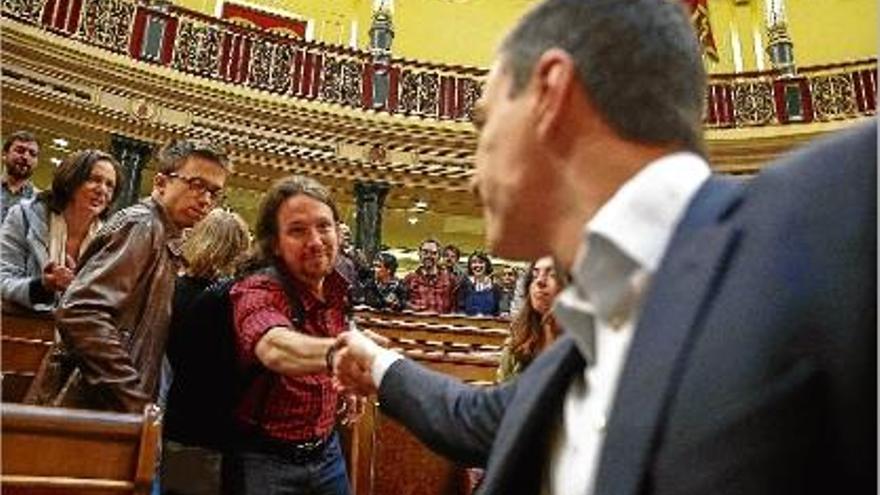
{"x": 220, "y": 50}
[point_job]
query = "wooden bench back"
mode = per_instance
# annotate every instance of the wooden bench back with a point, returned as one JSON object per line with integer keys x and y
{"x": 465, "y": 347}
{"x": 26, "y": 338}
{"x": 384, "y": 456}
{"x": 55, "y": 450}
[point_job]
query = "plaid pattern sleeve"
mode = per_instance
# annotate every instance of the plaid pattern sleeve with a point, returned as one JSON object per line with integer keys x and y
{"x": 294, "y": 408}
{"x": 258, "y": 304}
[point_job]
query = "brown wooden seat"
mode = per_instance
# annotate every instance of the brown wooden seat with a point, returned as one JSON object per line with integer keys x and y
{"x": 384, "y": 456}
{"x": 26, "y": 338}
{"x": 466, "y": 347}
{"x": 55, "y": 450}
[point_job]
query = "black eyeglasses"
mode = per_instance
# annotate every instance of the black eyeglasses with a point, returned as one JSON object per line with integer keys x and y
{"x": 200, "y": 186}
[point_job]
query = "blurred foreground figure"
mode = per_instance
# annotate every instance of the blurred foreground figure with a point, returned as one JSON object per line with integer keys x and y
{"x": 718, "y": 338}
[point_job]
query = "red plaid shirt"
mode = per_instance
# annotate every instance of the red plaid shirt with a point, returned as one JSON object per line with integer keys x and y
{"x": 431, "y": 292}
{"x": 298, "y": 408}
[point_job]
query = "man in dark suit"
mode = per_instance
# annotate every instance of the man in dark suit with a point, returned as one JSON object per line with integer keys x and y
{"x": 720, "y": 337}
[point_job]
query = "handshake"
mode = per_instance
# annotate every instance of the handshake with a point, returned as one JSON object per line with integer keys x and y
{"x": 351, "y": 360}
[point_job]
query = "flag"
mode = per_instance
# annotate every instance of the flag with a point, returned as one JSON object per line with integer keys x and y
{"x": 699, "y": 10}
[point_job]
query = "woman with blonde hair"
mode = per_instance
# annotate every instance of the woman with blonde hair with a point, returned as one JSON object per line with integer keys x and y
{"x": 212, "y": 251}
{"x": 534, "y": 327}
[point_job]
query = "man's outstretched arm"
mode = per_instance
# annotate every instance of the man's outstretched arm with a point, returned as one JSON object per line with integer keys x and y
{"x": 457, "y": 420}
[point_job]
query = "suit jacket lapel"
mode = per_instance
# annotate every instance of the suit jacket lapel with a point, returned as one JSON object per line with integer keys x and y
{"x": 672, "y": 307}
{"x": 521, "y": 444}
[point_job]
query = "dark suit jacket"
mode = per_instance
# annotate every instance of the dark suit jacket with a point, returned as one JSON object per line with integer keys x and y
{"x": 753, "y": 366}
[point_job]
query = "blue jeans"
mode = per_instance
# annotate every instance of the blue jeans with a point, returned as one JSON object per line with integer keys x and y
{"x": 259, "y": 473}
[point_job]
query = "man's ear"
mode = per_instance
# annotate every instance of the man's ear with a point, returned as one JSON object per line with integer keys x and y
{"x": 554, "y": 77}
{"x": 160, "y": 181}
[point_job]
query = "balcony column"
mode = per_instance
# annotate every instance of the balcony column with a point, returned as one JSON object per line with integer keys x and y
{"x": 781, "y": 51}
{"x": 779, "y": 46}
{"x": 369, "y": 201}
{"x": 133, "y": 156}
{"x": 381, "y": 37}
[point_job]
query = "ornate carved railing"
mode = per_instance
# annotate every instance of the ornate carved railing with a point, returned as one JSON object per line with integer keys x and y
{"x": 217, "y": 49}
{"x": 819, "y": 93}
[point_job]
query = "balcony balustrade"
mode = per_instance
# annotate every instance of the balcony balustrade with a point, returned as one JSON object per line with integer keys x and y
{"x": 217, "y": 49}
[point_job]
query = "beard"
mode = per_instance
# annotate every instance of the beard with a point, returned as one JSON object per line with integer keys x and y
{"x": 20, "y": 171}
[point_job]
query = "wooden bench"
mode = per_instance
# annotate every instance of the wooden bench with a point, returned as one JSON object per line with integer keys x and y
{"x": 384, "y": 457}
{"x": 55, "y": 450}
{"x": 466, "y": 347}
{"x": 26, "y": 338}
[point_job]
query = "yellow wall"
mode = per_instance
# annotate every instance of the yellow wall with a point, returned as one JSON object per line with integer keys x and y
{"x": 462, "y": 32}
{"x": 823, "y": 31}
{"x": 465, "y": 32}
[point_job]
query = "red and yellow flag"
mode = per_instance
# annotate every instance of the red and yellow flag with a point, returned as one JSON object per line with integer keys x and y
{"x": 699, "y": 10}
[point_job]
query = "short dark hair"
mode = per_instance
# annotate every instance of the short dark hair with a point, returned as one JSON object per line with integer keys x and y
{"x": 388, "y": 261}
{"x": 20, "y": 136}
{"x": 73, "y": 172}
{"x": 452, "y": 247}
{"x": 430, "y": 240}
{"x": 267, "y": 219}
{"x": 482, "y": 256}
{"x": 174, "y": 154}
{"x": 638, "y": 60}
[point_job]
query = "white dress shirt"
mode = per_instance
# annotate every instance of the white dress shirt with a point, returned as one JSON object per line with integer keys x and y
{"x": 623, "y": 246}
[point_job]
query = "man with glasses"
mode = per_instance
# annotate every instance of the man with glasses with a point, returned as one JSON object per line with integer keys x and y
{"x": 115, "y": 314}
{"x": 429, "y": 287}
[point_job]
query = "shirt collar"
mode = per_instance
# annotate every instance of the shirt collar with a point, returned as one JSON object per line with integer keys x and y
{"x": 335, "y": 289}
{"x": 641, "y": 216}
{"x": 625, "y": 242}
{"x": 27, "y": 189}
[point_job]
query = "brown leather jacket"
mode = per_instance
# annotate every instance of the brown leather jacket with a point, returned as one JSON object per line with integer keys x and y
{"x": 114, "y": 316}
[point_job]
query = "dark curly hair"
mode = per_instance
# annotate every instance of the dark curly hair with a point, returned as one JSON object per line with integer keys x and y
{"x": 75, "y": 171}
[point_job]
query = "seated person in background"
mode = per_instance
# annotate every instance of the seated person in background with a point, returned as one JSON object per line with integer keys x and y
{"x": 429, "y": 287}
{"x": 534, "y": 328}
{"x": 211, "y": 252}
{"x": 506, "y": 283}
{"x": 20, "y": 156}
{"x": 449, "y": 262}
{"x": 384, "y": 290}
{"x": 352, "y": 265}
{"x": 478, "y": 294}
{"x": 42, "y": 238}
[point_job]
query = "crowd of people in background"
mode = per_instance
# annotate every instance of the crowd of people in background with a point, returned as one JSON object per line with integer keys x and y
{"x": 441, "y": 283}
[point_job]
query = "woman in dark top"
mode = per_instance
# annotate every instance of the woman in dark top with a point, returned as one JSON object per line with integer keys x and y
{"x": 212, "y": 251}
{"x": 478, "y": 294}
{"x": 383, "y": 290}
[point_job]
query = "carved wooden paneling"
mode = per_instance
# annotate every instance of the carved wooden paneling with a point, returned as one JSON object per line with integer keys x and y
{"x": 26, "y": 10}
{"x": 197, "y": 48}
{"x": 833, "y": 97}
{"x": 107, "y": 23}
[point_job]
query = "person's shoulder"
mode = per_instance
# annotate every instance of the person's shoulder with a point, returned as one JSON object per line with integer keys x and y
{"x": 138, "y": 218}
{"x": 845, "y": 155}
{"x": 256, "y": 281}
{"x": 837, "y": 172}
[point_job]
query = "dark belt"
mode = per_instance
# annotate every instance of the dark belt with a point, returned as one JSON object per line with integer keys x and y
{"x": 297, "y": 452}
